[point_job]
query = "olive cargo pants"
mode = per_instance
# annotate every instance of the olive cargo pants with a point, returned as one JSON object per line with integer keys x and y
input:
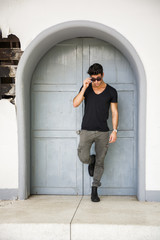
{"x": 101, "y": 140}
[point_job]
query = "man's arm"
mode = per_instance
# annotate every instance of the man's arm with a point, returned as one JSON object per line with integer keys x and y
{"x": 114, "y": 110}
{"x": 79, "y": 98}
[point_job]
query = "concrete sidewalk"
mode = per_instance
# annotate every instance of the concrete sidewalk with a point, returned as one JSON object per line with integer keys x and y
{"x": 52, "y": 217}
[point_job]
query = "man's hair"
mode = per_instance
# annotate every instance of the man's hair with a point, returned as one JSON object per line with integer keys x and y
{"x": 95, "y": 69}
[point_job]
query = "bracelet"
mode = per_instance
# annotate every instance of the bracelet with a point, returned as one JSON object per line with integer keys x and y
{"x": 115, "y": 130}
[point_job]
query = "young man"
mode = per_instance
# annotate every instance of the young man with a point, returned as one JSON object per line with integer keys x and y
{"x": 98, "y": 97}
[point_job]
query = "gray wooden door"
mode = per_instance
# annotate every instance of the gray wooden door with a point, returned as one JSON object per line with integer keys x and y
{"x": 55, "y": 167}
{"x": 119, "y": 177}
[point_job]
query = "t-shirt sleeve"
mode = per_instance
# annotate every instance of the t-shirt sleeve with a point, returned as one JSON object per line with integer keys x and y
{"x": 84, "y": 93}
{"x": 114, "y": 96}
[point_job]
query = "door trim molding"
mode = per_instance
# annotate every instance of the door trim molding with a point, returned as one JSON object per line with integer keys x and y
{"x": 31, "y": 56}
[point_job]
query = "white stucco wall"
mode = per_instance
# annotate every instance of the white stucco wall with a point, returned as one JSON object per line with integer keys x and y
{"x": 138, "y": 21}
{"x": 8, "y": 146}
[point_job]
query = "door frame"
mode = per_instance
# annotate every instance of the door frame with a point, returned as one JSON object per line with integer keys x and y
{"x": 30, "y": 58}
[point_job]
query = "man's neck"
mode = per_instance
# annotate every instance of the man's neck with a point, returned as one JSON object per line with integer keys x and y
{"x": 103, "y": 84}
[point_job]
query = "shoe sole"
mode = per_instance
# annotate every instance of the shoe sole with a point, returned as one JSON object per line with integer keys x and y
{"x": 95, "y": 200}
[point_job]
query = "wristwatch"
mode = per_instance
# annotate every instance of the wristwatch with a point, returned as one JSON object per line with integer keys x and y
{"x": 115, "y": 130}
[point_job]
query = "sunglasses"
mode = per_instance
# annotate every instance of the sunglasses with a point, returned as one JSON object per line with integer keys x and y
{"x": 94, "y": 79}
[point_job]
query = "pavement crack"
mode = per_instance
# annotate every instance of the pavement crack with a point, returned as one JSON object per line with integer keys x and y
{"x": 75, "y": 214}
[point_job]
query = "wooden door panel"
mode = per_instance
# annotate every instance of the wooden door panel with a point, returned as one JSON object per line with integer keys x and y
{"x": 54, "y": 111}
{"x": 119, "y": 177}
{"x": 59, "y": 65}
{"x": 126, "y": 111}
{"x": 61, "y": 171}
{"x": 117, "y": 161}
{"x": 55, "y": 167}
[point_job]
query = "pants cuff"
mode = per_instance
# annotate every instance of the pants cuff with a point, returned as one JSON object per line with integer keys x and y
{"x": 98, "y": 184}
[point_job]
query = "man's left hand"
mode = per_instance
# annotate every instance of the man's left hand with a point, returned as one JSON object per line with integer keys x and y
{"x": 113, "y": 137}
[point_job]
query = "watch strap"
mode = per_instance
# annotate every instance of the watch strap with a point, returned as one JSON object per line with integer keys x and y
{"x": 115, "y": 130}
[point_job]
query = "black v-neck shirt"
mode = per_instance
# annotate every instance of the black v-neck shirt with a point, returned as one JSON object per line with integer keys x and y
{"x": 97, "y": 108}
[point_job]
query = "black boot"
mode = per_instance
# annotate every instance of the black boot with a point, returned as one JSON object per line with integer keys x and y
{"x": 92, "y": 165}
{"x": 94, "y": 195}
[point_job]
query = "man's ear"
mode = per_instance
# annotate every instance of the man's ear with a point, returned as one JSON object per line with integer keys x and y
{"x": 103, "y": 74}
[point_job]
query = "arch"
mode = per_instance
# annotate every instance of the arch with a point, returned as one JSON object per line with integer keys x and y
{"x": 31, "y": 56}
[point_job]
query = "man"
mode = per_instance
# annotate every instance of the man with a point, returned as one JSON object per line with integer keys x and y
{"x": 99, "y": 97}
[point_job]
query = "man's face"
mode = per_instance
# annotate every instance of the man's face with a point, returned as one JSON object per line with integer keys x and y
{"x": 98, "y": 76}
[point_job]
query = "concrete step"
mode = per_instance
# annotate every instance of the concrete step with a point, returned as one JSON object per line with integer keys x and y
{"x": 53, "y": 217}
{"x": 116, "y": 218}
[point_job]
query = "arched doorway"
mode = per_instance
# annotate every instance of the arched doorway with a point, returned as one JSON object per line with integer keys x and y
{"x": 55, "y": 167}
{"x": 31, "y": 57}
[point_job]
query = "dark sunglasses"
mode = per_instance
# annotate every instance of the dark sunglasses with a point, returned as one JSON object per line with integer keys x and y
{"x": 94, "y": 79}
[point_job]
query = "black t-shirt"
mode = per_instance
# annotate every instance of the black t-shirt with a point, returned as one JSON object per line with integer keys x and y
{"x": 97, "y": 108}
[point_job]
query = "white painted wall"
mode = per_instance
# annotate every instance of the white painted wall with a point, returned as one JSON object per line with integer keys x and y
{"x": 8, "y": 145}
{"x": 138, "y": 21}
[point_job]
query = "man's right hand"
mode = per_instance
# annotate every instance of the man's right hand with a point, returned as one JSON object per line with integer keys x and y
{"x": 86, "y": 82}
{"x": 80, "y": 96}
